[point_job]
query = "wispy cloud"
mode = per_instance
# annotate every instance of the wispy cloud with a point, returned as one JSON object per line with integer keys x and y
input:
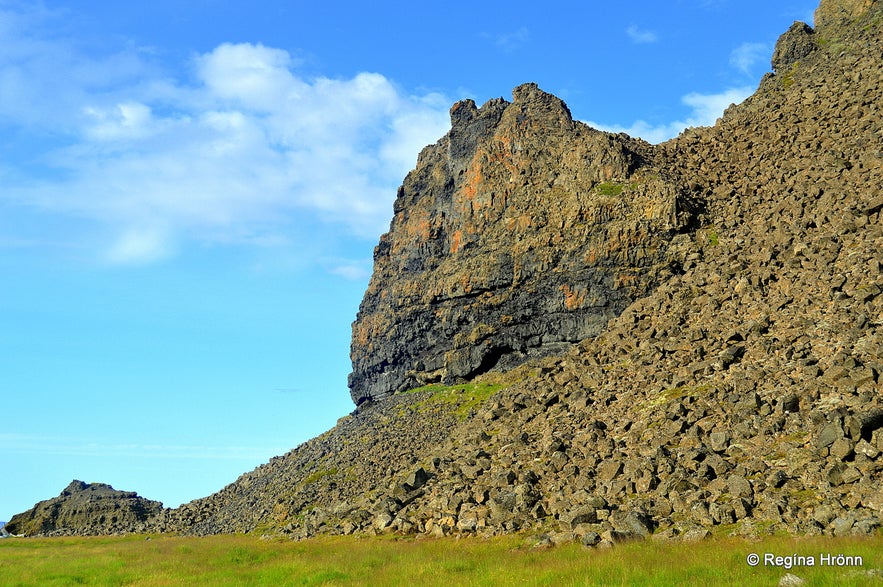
{"x": 747, "y": 55}
{"x": 243, "y": 150}
{"x": 641, "y": 36}
{"x": 353, "y": 270}
{"x": 705, "y": 109}
{"x": 508, "y": 42}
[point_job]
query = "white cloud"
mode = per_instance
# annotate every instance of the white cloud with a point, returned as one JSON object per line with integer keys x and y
{"x": 244, "y": 152}
{"x": 254, "y": 77}
{"x": 140, "y": 245}
{"x": 641, "y": 37}
{"x": 745, "y": 56}
{"x": 126, "y": 120}
{"x": 705, "y": 109}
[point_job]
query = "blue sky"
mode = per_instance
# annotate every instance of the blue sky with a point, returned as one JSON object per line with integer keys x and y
{"x": 190, "y": 194}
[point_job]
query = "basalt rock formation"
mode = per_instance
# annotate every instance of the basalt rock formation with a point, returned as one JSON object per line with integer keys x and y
{"x": 519, "y": 232}
{"x": 731, "y": 385}
{"x": 86, "y": 508}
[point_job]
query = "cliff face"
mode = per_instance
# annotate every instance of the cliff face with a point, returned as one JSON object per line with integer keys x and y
{"x": 519, "y": 232}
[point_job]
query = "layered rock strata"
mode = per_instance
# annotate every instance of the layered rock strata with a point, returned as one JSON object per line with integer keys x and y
{"x": 519, "y": 232}
{"x": 87, "y": 509}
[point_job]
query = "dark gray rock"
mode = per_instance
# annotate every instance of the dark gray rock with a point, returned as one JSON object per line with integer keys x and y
{"x": 631, "y": 525}
{"x": 843, "y": 473}
{"x": 417, "y": 479}
{"x": 795, "y": 44}
{"x": 719, "y": 441}
{"x": 739, "y": 487}
{"x": 581, "y": 515}
{"x": 829, "y": 434}
{"x": 86, "y": 509}
{"x": 590, "y": 539}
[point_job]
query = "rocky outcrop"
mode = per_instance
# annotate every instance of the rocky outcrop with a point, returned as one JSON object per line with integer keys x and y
{"x": 519, "y": 232}
{"x": 836, "y": 13}
{"x": 794, "y": 45}
{"x": 86, "y": 509}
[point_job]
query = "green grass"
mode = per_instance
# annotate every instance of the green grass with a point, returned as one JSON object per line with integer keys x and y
{"x": 246, "y": 560}
{"x": 319, "y": 475}
{"x": 609, "y": 188}
{"x": 873, "y": 24}
{"x": 678, "y": 392}
{"x": 788, "y": 77}
{"x": 465, "y": 396}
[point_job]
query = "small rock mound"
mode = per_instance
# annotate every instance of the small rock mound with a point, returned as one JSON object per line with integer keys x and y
{"x": 86, "y": 509}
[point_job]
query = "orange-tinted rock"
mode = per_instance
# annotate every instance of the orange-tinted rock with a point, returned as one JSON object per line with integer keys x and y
{"x": 519, "y": 211}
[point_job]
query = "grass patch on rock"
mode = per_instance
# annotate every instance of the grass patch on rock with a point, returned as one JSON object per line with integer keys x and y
{"x": 463, "y": 398}
{"x": 676, "y": 393}
{"x": 319, "y": 475}
{"x": 609, "y": 188}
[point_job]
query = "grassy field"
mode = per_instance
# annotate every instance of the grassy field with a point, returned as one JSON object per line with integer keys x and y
{"x": 246, "y": 560}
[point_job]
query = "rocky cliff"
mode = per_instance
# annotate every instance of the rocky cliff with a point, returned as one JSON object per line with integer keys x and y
{"x": 519, "y": 232}
{"x": 86, "y": 508}
{"x": 730, "y": 386}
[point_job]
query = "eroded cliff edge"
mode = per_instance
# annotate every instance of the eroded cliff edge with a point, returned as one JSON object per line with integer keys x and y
{"x": 519, "y": 232}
